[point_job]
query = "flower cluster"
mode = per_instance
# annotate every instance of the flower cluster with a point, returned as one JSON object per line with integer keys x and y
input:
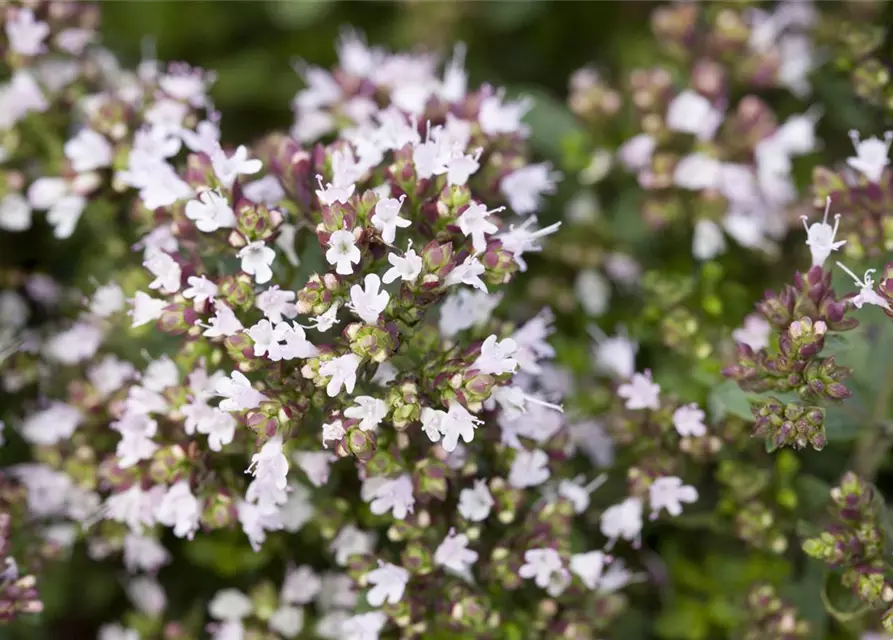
{"x": 853, "y": 543}
{"x": 18, "y": 592}
{"x": 387, "y": 371}
{"x": 330, "y": 375}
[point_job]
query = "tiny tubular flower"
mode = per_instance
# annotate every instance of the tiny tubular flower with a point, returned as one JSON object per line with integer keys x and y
{"x": 871, "y": 155}
{"x": 867, "y": 294}
{"x": 343, "y": 252}
{"x": 820, "y": 237}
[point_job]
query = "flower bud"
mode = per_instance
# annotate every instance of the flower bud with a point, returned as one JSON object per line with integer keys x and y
{"x": 237, "y": 291}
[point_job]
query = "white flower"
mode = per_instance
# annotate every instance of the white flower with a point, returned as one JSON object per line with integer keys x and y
{"x": 144, "y": 553}
{"x": 147, "y": 595}
{"x": 640, "y": 392}
{"x": 64, "y": 215}
{"x": 237, "y": 393}
{"x": 224, "y": 322}
{"x": 689, "y": 421}
{"x": 24, "y": 33}
{"x": 266, "y": 191}
{"x": 276, "y": 304}
{"x": 386, "y": 218}
{"x": 614, "y": 355}
{"x": 455, "y": 423}
{"x": 589, "y": 567}
{"x": 519, "y": 240}
{"x": 475, "y": 503}
{"x": 669, "y": 493}
{"x": 529, "y": 469}
{"x": 867, "y": 294}
{"x": 343, "y": 252}
{"x": 220, "y": 427}
{"x": 179, "y": 509}
{"x": 406, "y": 267}
{"x": 465, "y": 309}
{"x": 330, "y": 193}
{"x": 593, "y": 292}
{"x": 496, "y": 118}
{"x": 109, "y": 375}
{"x": 524, "y": 188}
{"x": 315, "y": 464}
{"x": 388, "y": 583}
{"x": 166, "y": 271}
{"x": 200, "y": 290}
{"x": 453, "y": 553}
{"x": 623, "y": 520}
{"x": 363, "y": 626}
{"x": 107, "y": 300}
{"x": 270, "y": 463}
{"x": 341, "y": 371}
{"x": 286, "y": 242}
{"x": 546, "y": 569}
{"x": 74, "y": 345}
{"x": 690, "y": 112}
{"x": 228, "y": 168}
{"x": 394, "y": 495}
{"x": 88, "y": 151}
{"x": 368, "y": 410}
{"x": 325, "y": 321}
{"x": 256, "y": 260}
{"x": 256, "y": 521}
{"x": 287, "y": 621}
{"x": 332, "y": 432}
{"x": 497, "y": 357}
{"x": 52, "y": 425}
{"x": 117, "y": 632}
{"x": 266, "y": 339}
{"x": 431, "y": 421}
{"x": 296, "y": 343}
{"x": 635, "y": 153}
{"x": 297, "y": 510}
{"x": 368, "y": 303}
{"x": 300, "y": 586}
{"x": 210, "y": 211}
{"x": 871, "y": 155}
{"x": 469, "y": 273}
{"x": 473, "y": 222}
{"x": 578, "y": 493}
{"x": 15, "y": 214}
{"x": 351, "y": 541}
{"x": 160, "y": 374}
{"x": 230, "y": 604}
{"x": 708, "y": 241}
{"x": 461, "y": 166}
{"x": 145, "y": 309}
{"x": 820, "y": 237}
{"x": 697, "y": 171}
{"x": 797, "y": 134}
{"x": 755, "y": 332}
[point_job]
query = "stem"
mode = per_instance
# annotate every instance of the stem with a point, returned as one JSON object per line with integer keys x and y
{"x": 874, "y": 444}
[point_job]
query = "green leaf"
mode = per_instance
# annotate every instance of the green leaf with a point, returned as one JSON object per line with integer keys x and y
{"x": 728, "y": 399}
{"x": 550, "y": 121}
{"x": 683, "y": 619}
{"x": 226, "y": 557}
{"x": 813, "y": 492}
{"x": 506, "y": 16}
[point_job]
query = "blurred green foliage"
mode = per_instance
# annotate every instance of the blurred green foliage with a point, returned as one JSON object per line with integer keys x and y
{"x": 252, "y": 44}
